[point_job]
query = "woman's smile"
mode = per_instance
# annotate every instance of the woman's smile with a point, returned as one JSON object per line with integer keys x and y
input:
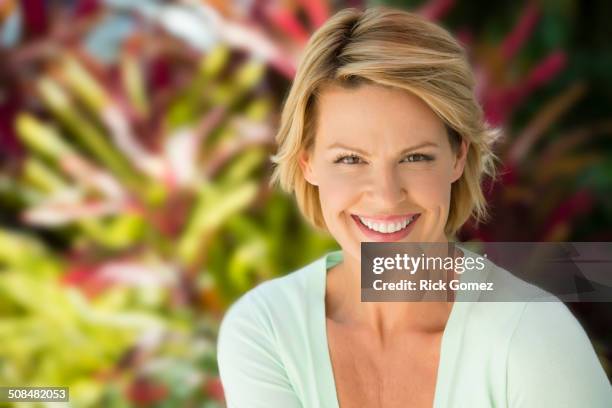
{"x": 389, "y": 230}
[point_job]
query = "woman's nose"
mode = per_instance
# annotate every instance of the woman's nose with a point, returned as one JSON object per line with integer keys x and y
{"x": 387, "y": 187}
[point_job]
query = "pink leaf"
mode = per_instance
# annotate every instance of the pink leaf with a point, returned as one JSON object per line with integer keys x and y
{"x": 436, "y": 9}
{"x": 287, "y": 22}
{"x": 579, "y": 203}
{"x": 318, "y": 11}
{"x": 523, "y": 29}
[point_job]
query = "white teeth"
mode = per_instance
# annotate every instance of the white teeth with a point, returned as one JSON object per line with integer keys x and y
{"x": 386, "y": 228}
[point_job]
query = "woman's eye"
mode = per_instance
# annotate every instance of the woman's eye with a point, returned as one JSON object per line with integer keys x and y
{"x": 418, "y": 157}
{"x": 348, "y": 159}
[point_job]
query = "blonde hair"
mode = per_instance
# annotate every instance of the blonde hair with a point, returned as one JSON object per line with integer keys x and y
{"x": 391, "y": 48}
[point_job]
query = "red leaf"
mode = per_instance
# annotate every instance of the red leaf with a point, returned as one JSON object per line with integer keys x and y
{"x": 144, "y": 392}
{"x": 214, "y": 389}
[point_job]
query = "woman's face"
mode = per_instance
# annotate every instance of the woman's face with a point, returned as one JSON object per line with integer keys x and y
{"x": 384, "y": 167}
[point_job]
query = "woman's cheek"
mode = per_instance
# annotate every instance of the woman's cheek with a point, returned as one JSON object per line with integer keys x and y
{"x": 336, "y": 193}
{"x": 432, "y": 191}
{"x": 427, "y": 188}
{"x": 347, "y": 181}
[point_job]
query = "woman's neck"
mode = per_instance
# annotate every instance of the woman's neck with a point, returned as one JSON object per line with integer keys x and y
{"x": 344, "y": 306}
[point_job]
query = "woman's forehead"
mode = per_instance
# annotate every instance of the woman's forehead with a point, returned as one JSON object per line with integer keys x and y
{"x": 374, "y": 112}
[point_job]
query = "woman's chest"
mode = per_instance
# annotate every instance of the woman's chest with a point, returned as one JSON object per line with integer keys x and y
{"x": 400, "y": 373}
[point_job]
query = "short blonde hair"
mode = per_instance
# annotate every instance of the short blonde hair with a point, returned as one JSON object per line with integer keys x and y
{"x": 391, "y": 48}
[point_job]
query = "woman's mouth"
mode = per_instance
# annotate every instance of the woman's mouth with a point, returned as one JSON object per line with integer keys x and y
{"x": 386, "y": 230}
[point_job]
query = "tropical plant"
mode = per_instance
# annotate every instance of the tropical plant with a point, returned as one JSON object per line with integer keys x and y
{"x": 145, "y": 181}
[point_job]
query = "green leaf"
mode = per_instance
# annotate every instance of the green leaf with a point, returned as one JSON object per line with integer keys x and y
{"x": 213, "y": 207}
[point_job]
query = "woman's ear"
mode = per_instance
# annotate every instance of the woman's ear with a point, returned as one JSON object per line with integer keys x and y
{"x": 460, "y": 159}
{"x": 304, "y": 161}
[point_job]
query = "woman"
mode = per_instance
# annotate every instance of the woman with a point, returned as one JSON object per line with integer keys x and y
{"x": 381, "y": 139}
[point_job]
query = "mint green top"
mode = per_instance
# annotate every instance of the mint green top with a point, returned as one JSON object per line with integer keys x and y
{"x": 273, "y": 351}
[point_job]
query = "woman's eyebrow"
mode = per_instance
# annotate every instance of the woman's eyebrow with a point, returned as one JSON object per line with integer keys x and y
{"x": 408, "y": 149}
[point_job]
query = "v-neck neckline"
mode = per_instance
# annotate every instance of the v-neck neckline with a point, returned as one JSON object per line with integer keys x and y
{"x": 449, "y": 348}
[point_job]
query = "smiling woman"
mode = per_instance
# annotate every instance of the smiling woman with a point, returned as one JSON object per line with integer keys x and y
{"x": 402, "y": 163}
{"x": 381, "y": 139}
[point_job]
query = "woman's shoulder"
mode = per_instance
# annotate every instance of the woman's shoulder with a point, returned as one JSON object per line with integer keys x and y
{"x": 523, "y": 315}
{"x": 545, "y": 356}
{"x": 530, "y": 324}
{"x": 256, "y": 335}
{"x": 551, "y": 357}
{"x": 549, "y": 328}
{"x": 277, "y": 301}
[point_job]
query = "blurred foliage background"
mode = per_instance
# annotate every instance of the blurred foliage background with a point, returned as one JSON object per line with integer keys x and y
{"x": 134, "y": 197}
